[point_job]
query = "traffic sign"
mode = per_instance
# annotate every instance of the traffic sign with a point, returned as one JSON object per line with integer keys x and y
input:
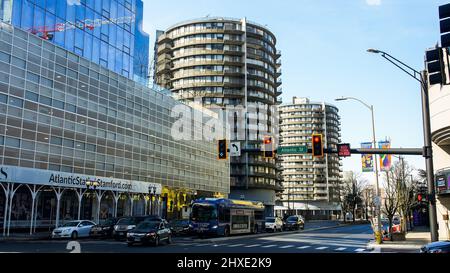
{"x": 235, "y": 149}
{"x": 344, "y": 150}
{"x": 293, "y": 150}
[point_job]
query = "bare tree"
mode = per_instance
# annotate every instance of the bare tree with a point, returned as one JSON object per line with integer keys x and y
{"x": 390, "y": 201}
{"x": 352, "y": 194}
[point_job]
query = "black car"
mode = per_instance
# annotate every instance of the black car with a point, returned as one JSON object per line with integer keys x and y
{"x": 125, "y": 224}
{"x": 180, "y": 227}
{"x": 294, "y": 222}
{"x": 104, "y": 230}
{"x": 436, "y": 247}
{"x": 150, "y": 232}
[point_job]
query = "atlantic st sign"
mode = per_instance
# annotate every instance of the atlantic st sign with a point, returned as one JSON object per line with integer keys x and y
{"x": 293, "y": 150}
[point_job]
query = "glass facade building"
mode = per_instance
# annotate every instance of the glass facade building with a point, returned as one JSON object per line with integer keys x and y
{"x": 107, "y": 32}
{"x": 63, "y": 116}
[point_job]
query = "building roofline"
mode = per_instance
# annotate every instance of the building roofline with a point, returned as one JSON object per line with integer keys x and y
{"x": 218, "y": 18}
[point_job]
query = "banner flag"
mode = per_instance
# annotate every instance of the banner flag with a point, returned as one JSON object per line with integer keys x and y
{"x": 367, "y": 160}
{"x": 385, "y": 160}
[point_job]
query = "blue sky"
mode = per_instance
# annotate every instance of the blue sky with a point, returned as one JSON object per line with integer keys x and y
{"x": 323, "y": 44}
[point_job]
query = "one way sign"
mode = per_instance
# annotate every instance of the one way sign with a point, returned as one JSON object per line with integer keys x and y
{"x": 235, "y": 149}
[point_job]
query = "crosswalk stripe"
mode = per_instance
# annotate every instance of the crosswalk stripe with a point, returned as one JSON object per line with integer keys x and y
{"x": 269, "y": 246}
{"x": 341, "y": 249}
{"x": 303, "y": 247}
{"x": 288, "y": 246}
{"x": 322, "y": 248}
{"x": 253, "y": 245}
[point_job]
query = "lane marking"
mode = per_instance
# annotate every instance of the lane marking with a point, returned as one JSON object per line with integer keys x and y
{"x": 303, "y": 247}
{"x": 288, "y": 246}
{"x": 360, "y": 250}
{"x": 269, "y": 246}
{"x": 253, "y": 245}
{"x": 341, "y": 249}
{"x": 322, "y": 248}
{"x": 235, "y": 245}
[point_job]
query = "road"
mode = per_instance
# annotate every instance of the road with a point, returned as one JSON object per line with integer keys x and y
{"x": 342, "y": 239}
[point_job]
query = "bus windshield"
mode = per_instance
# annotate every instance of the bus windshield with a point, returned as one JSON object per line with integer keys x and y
{"x": 204, "y": 213}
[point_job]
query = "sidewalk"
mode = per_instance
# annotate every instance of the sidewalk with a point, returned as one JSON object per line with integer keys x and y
{"x": 415, "y": 239}
{"x": 26, "y": 236}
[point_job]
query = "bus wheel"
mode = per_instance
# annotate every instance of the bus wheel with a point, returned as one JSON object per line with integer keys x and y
{"x": 256, "y": 230}
{"x": 226, "y": 232}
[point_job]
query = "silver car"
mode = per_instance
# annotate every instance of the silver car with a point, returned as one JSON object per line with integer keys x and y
{"x": 73, "y": 229}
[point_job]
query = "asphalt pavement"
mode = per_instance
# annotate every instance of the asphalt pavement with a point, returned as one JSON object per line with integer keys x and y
{"x": 323, "y": 237}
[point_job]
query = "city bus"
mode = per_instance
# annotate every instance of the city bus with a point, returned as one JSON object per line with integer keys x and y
{"x": 224, "y": 217}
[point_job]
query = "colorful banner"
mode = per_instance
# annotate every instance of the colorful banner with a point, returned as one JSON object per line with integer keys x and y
{"x": 385, "y": 160}
{"x": 367, "y": 160}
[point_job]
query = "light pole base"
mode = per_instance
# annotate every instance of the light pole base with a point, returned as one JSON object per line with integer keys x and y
{"x": 378, "y": 237}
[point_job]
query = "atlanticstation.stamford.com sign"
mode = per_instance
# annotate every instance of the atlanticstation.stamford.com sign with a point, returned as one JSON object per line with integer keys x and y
{"x": 69, "y": 180}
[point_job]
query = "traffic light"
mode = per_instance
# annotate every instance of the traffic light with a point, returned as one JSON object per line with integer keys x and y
{"x": 268, "y": 147}
{"x": 435, "y": 65}
{"x": 317, "y": 145}
{"x": 422, "y": 197}
{"x": 222, "y": 148}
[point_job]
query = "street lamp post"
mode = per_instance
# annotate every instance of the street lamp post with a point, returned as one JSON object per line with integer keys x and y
{"x": 378, "y": 203}
{"x": 428, "y": 148}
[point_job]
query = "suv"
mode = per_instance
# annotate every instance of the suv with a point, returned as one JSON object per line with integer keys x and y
{"x": 125, "y": 224}
{"x": 273, "y": 224}
{"x": 294, "y": 222}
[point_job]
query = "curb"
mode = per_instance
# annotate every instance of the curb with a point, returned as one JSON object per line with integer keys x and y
{"x": 24, "y": 239}
{"x": 220, "y": 239}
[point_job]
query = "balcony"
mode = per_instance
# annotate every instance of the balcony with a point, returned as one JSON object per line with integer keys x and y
{"x": 164, "y": 67}
{"x": 278, "y": 54}
{"x": 164, "y": 58}
{"x": 279, "y": 100}
{"x": 164, "y": 38}
{"x": 164, "y": 48}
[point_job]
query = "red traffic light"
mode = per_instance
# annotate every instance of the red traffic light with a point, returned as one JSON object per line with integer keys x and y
{"x": 317, "y": 145}
{"x": 268, "y": 150}
{"x": 419, "y": 197}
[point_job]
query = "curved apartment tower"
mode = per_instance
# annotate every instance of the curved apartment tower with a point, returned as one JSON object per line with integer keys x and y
{"x": 310, "y": 185}
{"x": 227, "y": 63}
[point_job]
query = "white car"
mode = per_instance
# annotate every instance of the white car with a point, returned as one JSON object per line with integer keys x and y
{"x": 274, "y": 224}
{"x": 73, "y": 229}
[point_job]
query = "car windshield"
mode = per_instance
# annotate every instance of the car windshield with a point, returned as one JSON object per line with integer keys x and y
{"x": 292, "y": 219}
{"x": 148, "y": 225}
{"x": 127, "y": 221}
{"x": 270, "y": 220}
{"x": 109, "y": 222}
{"x": 204, "y": 213}
{"x": 71, "y": 224}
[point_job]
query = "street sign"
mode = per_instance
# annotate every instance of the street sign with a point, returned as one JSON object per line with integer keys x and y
{"x": 377, "y": 201}
{"x": 344, "y": 150}
{"x": 293, "y": 150}
{"x": 235, "y": 149}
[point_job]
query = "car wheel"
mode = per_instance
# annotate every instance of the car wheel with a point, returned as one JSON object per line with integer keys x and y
{"x": 74, "y": 235}
{"x": 156, "y": 241}
{"x": 169, "y": 239}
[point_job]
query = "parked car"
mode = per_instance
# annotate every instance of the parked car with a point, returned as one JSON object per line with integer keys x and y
{"x": 150, "y": 232}
{"x": 73, "y": 230}
{"x": 294, "y": 222}
{"x": 180, "y": 227}
{"x": 125, "y": 224}
{"x": 436, "y": 247}
{"x": 104, "y": 230}
{"x": 273, "y": 224}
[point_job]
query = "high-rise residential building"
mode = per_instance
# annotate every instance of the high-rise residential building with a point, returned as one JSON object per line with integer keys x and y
{"x": 79, "y": 141}
{"x": 311, "y": 185}
{"x": 225, "y": 63}
{"x": 107, "y": 32}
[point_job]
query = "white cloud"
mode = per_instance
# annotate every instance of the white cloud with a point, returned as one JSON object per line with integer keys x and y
{"x": 73, "y": 2}
{"x": 373, "y": 2}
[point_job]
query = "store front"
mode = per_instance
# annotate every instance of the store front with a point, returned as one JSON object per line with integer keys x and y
{"x": 32, "y": 199}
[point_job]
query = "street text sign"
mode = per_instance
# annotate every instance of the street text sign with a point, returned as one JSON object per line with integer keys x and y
{"x": 293, "y": 150}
